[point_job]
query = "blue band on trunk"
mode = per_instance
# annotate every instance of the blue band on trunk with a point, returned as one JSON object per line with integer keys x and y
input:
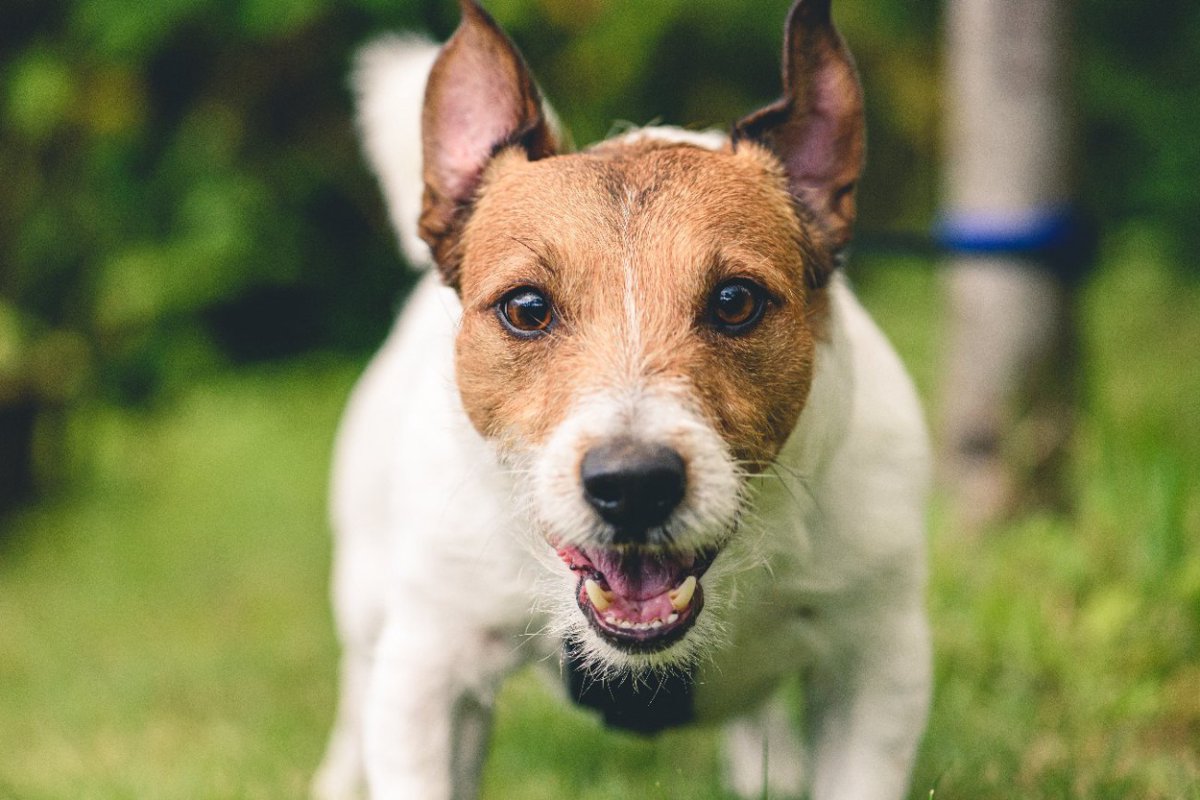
{"x": 1056, "y": 236}
{"x": 1005, "y": 232}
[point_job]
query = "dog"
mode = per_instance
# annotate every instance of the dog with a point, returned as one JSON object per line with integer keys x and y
{"x": 634, "y": 426}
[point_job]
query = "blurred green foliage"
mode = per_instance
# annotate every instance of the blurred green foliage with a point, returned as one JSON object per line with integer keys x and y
{"x": 182, "y": 183}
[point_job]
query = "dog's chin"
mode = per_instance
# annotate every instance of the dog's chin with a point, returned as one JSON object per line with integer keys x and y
{"x": 638, "y": 600}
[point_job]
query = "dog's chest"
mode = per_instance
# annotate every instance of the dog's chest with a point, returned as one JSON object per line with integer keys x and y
{"x": 776, "y": 590}
{"x": 772, "y": 633}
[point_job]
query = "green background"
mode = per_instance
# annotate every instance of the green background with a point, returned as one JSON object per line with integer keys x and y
{"x": 195, "y": 264}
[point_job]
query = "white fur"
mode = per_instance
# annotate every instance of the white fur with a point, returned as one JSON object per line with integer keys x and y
{"x": 441, "y": 591}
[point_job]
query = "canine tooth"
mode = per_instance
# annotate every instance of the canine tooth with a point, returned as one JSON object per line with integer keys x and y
{"x": 600, "y": 598}
{"x": 682, "y": 597}
{"x": 671, "y": 620}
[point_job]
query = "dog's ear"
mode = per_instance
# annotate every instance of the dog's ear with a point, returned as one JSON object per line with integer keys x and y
{"x": 816, "y": 129}
{"x": 480, "y": 100}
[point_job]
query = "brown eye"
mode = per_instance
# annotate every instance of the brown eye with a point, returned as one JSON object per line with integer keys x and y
{"x": 526, "y": 312}
{"x": 737, "y": 305}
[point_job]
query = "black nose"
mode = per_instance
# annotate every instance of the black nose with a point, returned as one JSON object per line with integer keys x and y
{"x": 633, "y": 486}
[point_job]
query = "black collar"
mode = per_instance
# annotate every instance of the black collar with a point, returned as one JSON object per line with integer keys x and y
{"x": 639, "y": 705}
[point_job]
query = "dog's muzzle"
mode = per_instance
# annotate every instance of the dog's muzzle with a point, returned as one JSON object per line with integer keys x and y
{"x": 635, "y": 590}
{"x": 638, "y": 599}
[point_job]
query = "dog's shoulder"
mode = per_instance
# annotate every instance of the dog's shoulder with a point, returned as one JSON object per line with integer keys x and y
{"x": 399, "y": 411}
{"x": 863, "y": 440}
{"x": 887, "y": 424}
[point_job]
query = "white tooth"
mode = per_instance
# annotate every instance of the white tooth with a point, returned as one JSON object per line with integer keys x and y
{"x": 610, "y": 619}
{"x": 600, "y": 598}
{"x": 658, "y": 623}
{"x": 626, "y": 623}
{"x": 681, "y": 597}
{"x": 671, "y": 620}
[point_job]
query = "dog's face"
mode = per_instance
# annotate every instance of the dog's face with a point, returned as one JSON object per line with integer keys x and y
{"x": 639, "y": 318}
{"x": 636, "y": 344}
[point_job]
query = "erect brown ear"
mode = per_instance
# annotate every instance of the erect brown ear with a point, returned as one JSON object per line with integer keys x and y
{"x": 816, "y": 129}
{"x": 480, "y": 99}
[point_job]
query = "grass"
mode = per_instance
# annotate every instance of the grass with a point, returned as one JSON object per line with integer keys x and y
{"x": 164, "y": 630}
{"x": 163, "y": 626}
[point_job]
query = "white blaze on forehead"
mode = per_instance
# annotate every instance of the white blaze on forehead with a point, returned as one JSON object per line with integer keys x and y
{"x": 708, "y": 140}
{"x": 633, "y": 333}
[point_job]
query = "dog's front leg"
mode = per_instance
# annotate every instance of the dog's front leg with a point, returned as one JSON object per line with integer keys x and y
{"x": 867, "y": 702}
{"x": 429, "y": 707}
{"x": 764, "y": 756}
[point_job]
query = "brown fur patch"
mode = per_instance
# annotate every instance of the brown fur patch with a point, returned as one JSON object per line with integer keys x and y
{"x": 663, "y": 224}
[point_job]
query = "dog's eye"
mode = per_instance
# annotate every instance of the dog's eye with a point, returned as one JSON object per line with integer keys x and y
{"x": 737, "y": 305}
{"x": 526, "y": 312}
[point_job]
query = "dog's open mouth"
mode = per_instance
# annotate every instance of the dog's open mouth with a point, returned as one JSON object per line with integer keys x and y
{"x": 638, "y": 599}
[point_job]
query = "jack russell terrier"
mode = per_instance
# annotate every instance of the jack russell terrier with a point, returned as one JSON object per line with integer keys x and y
{"x": 635, "y": 426}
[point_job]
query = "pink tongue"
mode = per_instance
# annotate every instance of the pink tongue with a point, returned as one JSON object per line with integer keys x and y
{"x": 638, "y": 576}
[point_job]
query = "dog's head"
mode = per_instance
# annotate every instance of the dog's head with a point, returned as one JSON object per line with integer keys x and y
{"x": 639, "y": 319}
